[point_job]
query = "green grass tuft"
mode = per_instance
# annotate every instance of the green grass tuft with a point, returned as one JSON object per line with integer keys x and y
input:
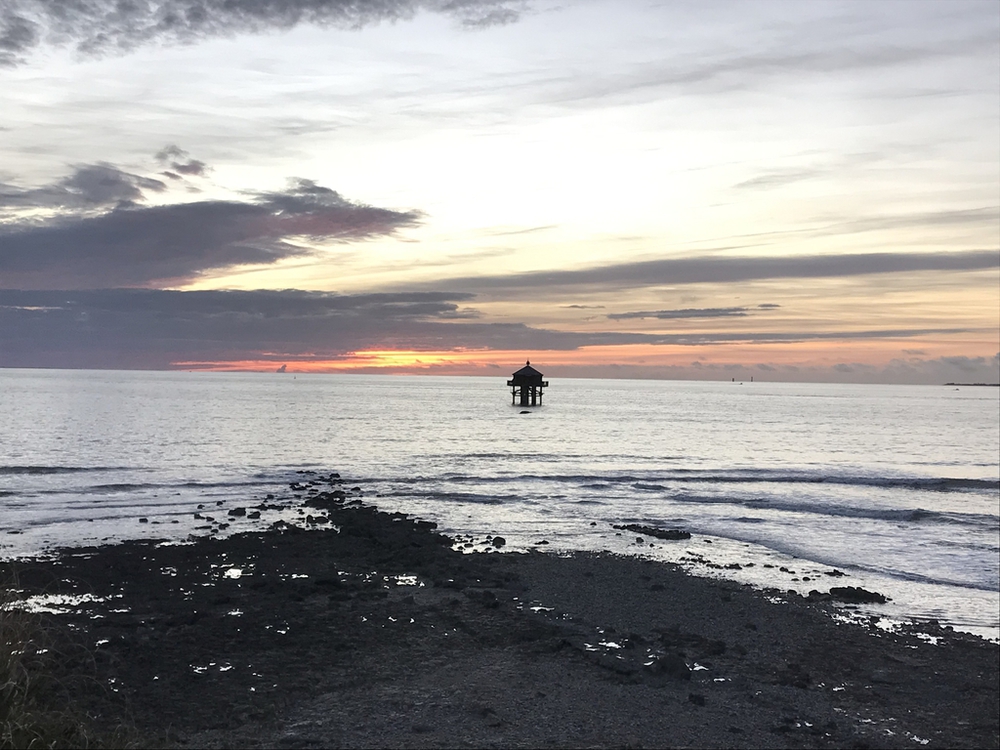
{"x": 37, "y": 695}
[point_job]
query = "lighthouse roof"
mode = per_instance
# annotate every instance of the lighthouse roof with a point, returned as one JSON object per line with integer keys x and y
{"x": 527, "y": 374}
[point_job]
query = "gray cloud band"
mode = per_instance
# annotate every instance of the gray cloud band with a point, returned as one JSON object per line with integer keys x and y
{"x": 109, "y": 26}
{"x": 86, "y": 245}
{"x": 148, "y": 328}
{"x": 726, "y": 270}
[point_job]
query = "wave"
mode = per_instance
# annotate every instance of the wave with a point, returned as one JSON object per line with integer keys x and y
{"x": 751, "y": 476}
{"x": 9, "y": 470}
{"x": 905, "y": 515}
{"x": 462, "y": 497}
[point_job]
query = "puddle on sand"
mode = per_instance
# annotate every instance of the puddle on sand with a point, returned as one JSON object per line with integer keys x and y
{"x": 56, "y": 604}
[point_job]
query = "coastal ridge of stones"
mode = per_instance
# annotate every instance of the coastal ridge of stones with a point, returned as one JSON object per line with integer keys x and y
{"x": 326, "y": 494}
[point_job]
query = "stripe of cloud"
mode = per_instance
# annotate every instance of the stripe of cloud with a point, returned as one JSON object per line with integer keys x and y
{"x": 153, "y": 328}
{"x": 714, "y": 269}
{"x": 166, "y": 245}
{"x": 789, "y": 41}
{"x": 706, "y": 312}
{"x": 95, "y": 27}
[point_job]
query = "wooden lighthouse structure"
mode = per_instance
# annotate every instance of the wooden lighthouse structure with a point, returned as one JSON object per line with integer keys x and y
{"x": 526, "y": 386}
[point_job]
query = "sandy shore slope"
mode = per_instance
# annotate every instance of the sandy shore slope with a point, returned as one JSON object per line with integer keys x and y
{"x": 376, "y": 633}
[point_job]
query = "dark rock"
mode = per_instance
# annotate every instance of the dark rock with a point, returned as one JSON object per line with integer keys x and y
{"x": 499, "y": 541}
{"x": 857, "y": 595}
{"x": 668, "y": 534}
{"x": 143, "y": 520}
{"x": 237, "y": 511}
{"x": 254, "y": 514}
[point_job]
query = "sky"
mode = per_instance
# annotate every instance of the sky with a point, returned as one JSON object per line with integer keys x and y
{"x": 791, "y": 190}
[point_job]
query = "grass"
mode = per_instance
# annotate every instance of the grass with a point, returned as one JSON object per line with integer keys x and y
{"x": 38, "y": 686}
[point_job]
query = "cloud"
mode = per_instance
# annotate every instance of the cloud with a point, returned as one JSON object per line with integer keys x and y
{"x": 179, "y": 160}
{"x": 716, "y": 269}
{"x": 96, "y": 27}
{"x": 916, "y": 371}
{"x": 779, "y": 178}
{"x": 90, "y": 186}
{"x": 151, "y": 328}
{"x": 101, "y": 237}
{"x": 707, "y": 312}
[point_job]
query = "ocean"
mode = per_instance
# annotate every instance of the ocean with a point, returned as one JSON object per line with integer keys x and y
{"x": 780, "y": 484}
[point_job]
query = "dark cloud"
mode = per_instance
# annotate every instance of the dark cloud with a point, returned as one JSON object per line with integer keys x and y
{"x": 95, "y": 27}
{"x": 768, "y": 306}
{"x": 17, "y": 36}
{"x": 135, "y": 246}
{"x": 707, "y": 312}
{"x": 90, "y": 186}
{"x": 180, "y": 161}
{"x": 583, "y": 307}
{"x": 715, "y": 269}
{"x": 149, "y": 328}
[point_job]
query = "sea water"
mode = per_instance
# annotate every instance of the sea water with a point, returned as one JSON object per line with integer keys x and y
{"x": 780, "y": 484}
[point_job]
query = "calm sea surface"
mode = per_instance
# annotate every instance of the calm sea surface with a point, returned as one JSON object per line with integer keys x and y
{"x": 896, "y": 486}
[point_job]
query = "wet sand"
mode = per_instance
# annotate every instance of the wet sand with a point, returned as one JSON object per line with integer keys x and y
{"x": 370, "y": 630}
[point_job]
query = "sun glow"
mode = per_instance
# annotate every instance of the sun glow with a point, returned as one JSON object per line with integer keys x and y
{"x": 711, "y": 361}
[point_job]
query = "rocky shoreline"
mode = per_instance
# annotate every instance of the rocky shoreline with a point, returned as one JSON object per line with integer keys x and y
{"x": 360, "y": 628}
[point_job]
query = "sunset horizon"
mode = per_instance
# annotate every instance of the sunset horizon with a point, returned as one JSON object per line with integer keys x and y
{"x": 802, "y": 191}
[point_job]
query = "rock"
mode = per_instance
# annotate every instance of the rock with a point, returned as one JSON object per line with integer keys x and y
{"x": 499, "y": 541}
{"x": 237, "y": 511}
{"x": 255, "y": 514}
{"x": 857, "y": 595}
{"x": 668, "y": 534}
{"x": 143, "y": 520}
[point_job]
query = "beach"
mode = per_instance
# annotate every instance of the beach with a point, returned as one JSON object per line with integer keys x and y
{"x": 362, "y": 628}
